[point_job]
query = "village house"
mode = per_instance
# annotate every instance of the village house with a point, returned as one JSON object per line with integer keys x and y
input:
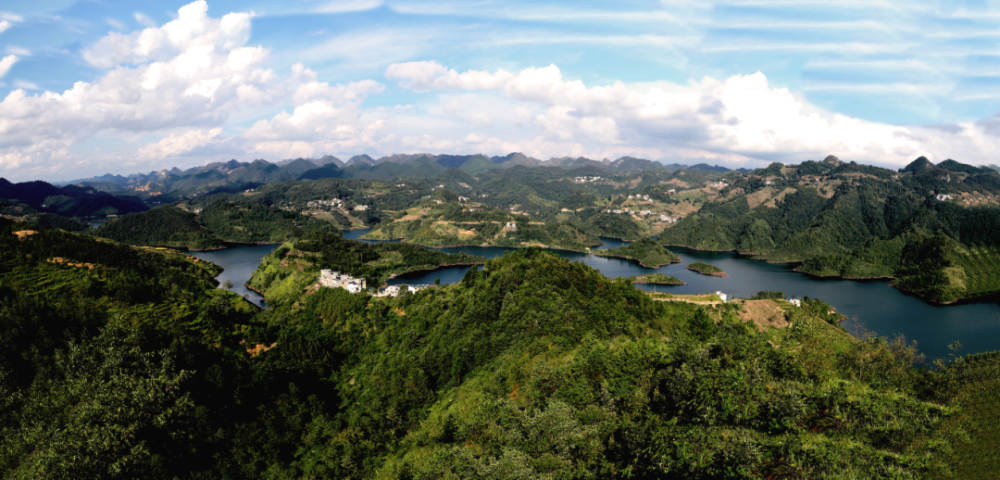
{"x": 942, "y": 197}
{"x": 672, "y": 190}
{"x": 667, "y": 219}
{"x": 796, "y": 302}
{"x": 511, "y": 225}
{"x": 332, "y": 279}
{"x": 360, "y": 208}
{"x": 463, "y": 199}
{"x": 722, "y": 296}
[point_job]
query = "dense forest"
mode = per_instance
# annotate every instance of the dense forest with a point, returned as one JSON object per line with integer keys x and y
{"x": 227, "y": 219}
{"x": 125, "y": 362}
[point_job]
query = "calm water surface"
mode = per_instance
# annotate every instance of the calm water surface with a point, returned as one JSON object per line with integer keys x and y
{"x": 239, "y": 263}
{"x": 870, "y": 305}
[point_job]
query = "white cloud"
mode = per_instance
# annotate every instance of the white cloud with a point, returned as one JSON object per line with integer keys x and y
{"x": 144, "y": 20}
{"x": 25, "y": 85}
{"x": 115, "y": 23}
{"x": 192, "y": 31}
{"x": 345, "y": 6}
{"x": 15, "y": 50}
{"x": 179, "y": 144}
{"x": 742, "y": 116}
{"x": 6, "y": 63}
{"x": 8, "y": 20}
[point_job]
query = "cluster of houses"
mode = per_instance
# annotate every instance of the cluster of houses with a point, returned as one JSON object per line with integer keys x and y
{"x": 511, "y": 226}
{"x": 942, "y": 197}
{"x": 336, "y": 202}
{"x": 668, "y": 219}
{"x": 718, "y": 185}
{"x": 332, "y": 279}
{"x": 462, "y": 199}
{"x": 586, "y": 179}
{"x": 639, "y": 197}
{"x": 360, "y": 208}
{"x": 395, "y": 290}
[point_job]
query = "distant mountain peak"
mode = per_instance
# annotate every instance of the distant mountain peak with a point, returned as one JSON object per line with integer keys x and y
{"x": 832, "y": 159}
{"x": 918, "y": 166}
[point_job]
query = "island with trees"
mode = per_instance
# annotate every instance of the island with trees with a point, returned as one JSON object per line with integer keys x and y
{"x": 646, "y": 252}
{"x": 656, "y": 279}
{"x": 706, "y": 269}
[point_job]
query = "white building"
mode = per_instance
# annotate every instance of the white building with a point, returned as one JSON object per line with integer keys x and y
{"x": 942, "y": 197}
{"x": 511, "y": 225}
{"x": 360, "y": 208}
{"x": 332, "y": 279}
{"x": 796, "y": 302}
{"x": 672, "y": 190}
{"x": 722, "y": 296}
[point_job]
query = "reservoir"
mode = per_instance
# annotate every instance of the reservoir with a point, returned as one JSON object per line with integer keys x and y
{"x": 239, "y": 263}
{"x": 870, "y": 305}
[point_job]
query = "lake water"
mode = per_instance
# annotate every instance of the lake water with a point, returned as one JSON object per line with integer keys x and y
{"x": 870, "y": 305}
{"x": 239, "y": 263}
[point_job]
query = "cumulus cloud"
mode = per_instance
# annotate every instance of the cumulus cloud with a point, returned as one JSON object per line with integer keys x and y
{"x": 183, "y": 80}
{"x": 193, "y": 30}
{"x": 4, "y": 25}
{"x": 739, "y": 117}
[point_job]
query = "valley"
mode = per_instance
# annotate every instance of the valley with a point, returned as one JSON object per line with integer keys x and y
{"x": 592, "y": 298}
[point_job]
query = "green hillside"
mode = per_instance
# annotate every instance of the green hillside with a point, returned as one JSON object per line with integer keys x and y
{"x": 289, "y": 271}
{"x": 446, "y": 224}
{"x": 858, "y": 221}
{"x": 168, "y": 226}
{"x": 126, "y": 362}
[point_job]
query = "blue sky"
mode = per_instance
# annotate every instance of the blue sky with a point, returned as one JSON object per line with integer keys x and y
{"x": 93, "y": 87}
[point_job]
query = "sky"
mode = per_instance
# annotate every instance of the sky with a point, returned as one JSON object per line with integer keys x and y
{"x": 93, "y": 87}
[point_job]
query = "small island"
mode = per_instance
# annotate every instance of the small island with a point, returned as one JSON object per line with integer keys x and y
{"x": 706, "y": 269}
{"x": 648, "y": 252}
{"x": 656, "y": 279}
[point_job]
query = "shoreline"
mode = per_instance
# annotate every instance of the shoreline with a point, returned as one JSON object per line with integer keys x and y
{"x": 460, "y": 245}
{"x": 424, "y": 268}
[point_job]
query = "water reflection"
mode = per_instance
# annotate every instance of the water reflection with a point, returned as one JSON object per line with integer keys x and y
{"x": 239, "y": 263}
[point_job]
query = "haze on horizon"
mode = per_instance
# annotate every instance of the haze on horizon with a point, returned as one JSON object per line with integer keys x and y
{"x": 91, "y": 88}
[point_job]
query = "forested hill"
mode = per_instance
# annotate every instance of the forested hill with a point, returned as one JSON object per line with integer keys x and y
{"x": 210, "y": 224}
{"x": 859, "y": 221}
{"x": 125, "y": 362}
{"x": 68, "y": 201}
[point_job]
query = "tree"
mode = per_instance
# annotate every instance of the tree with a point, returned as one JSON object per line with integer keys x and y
{"x": 228, "y": 285}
